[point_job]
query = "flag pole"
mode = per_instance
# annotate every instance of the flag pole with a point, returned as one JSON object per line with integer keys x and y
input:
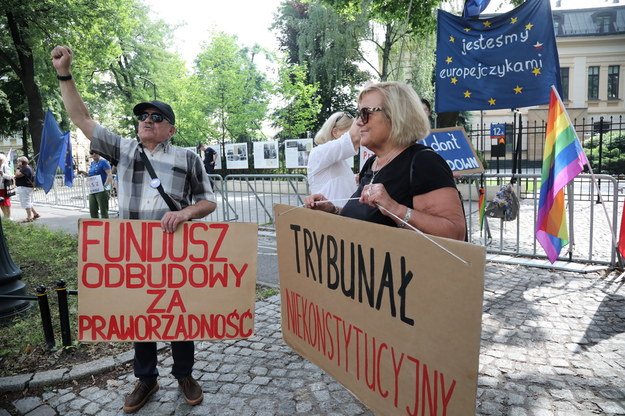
{"x": 592, "y": 177}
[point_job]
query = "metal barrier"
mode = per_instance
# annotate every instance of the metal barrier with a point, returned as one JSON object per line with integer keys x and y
{"x": 590, "y": 225}
{"x": 44, "y": 311}
{"x": 250, "y": 198}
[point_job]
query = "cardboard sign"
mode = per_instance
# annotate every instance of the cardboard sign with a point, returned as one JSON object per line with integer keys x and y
{"x": 387, "y": 312}
{"x": 455, "y": 147}
{"x": 94, "y": 184}
{"x": 138, "y": 283}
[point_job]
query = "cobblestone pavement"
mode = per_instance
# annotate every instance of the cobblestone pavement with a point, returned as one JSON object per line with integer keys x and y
{"x": 553, "y": 343}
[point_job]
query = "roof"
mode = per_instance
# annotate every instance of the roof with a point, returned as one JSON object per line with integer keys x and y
{"x": 598, "y": 21}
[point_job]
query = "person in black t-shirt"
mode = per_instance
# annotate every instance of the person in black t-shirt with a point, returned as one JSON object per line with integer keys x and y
{"x": 24, "y": 186}
{"x": 406, "y": 182}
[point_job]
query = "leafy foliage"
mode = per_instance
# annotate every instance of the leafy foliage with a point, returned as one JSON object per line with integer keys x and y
{"x": 232, "y": 91}
{"x": 298, "y": 114}
{"x": 29, "y": 31}
{"x": 611, "y": 152}
{"x": 319, "y": 39}
{"x": 393, "y": 21}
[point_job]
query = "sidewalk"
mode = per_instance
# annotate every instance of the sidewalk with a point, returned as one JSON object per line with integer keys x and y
{"x": 553, "y": 343}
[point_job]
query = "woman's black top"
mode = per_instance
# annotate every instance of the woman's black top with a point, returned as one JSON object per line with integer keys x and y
{"x": 415, "y": 171}
{"x": 27, "y": 180}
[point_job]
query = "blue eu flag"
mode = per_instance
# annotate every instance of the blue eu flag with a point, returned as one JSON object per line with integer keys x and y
{"x": 52, "y": 147}
{"x": 507, "y": 61}
{"x": 66, "y": 162}
{"x": 474, "y": 7}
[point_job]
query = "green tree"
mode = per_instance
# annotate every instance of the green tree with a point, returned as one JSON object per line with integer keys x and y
{"x": 29, "y": 31}
{"x": 232, "y": 91}
{"x": 326, "y": 43}
{"x": 612, "y": 152}
{"x": 143, "y": 70}
{"x": 301, "y": 104}
{"x": 392, "y": 21}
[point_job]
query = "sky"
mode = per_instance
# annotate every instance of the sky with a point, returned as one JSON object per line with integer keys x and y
{"x": 249, "y": 20}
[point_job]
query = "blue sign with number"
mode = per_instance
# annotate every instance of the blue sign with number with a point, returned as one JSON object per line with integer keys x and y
{"x": 453, "y": 145}
{"x": 497, "y": 131}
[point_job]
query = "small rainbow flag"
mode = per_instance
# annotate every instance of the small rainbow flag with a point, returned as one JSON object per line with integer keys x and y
{"x": 563, "y": 160}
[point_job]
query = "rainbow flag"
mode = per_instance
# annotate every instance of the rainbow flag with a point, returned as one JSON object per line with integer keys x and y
{"x": 563, "y": 160}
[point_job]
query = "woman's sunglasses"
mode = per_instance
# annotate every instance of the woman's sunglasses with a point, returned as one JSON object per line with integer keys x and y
{"x": 346, "y": 114}
{"x": 365, "y": 112}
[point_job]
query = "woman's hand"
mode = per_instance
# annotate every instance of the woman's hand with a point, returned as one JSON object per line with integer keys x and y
{"x": 375, "y": 194}
{"x": 319, "y": 202}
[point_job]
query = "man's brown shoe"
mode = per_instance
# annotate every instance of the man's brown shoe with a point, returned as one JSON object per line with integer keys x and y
{"x": 191, "y": 390}
{"x": 140, "y": 395}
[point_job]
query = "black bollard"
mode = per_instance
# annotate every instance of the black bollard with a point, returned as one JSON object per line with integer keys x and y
{"x": 46, "y": 319}
{"x": 10, "y": 284}
{"x": 61, "y": 292}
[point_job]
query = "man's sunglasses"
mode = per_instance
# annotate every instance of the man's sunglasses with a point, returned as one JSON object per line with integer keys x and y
{"x": 346, "y": 114}
{"x": 365, "y": 112}
{"x": 156, "y": 117}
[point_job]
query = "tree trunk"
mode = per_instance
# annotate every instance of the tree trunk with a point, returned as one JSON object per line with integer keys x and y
{"x": 25, "y": 70}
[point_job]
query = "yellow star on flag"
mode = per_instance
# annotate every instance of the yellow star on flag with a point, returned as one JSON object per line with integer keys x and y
{"x": 513, "y": 20}
{"x": 529, "y": 26}
{"x": 467, "y": 94}
{"x": 487, "y": 23}
{"x": 454, "y": 80}
{"x": 536, "y": 71}
{"x": 518, "y": 90}
{"x": 491, "y": 101}
{"x": 467, "y": 29}
{"x": 448, "y": 60}
{"x": 452, "y": 39}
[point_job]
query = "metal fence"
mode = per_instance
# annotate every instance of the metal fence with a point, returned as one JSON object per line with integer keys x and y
{"x": 524, "y": 144}
{"x": 592, "y": 221}
{"x": 250, "y": 198}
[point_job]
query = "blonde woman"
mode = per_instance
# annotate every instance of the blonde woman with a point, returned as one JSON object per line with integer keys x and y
{"x": 24, "y": 186}
{"x": 5, "y": 176}
{"x": 329, "y": 172}
{"x": 405, "y": 182}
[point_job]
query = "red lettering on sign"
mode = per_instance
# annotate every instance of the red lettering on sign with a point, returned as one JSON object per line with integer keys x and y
{"x": 153, "y": 232}
{"x": 199, "y": 242}
{"x": 86, "y": 242}
{"x": 431, "y": 393}
{"x": 159, "y": 295}
{"x": 220, "y": 240}
{"x": 171, "y": 243}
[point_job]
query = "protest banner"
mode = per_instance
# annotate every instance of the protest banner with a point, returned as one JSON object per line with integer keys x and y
{"x": 453, "y": 145}
{"x": 393, "y": 315}
{"x": 138, "y": 283}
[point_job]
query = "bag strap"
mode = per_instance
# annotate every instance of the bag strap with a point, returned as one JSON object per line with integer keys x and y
{"x": 170, "y": 203}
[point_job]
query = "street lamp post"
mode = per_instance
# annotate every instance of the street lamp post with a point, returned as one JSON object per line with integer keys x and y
{"x": 10, "y": 283}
